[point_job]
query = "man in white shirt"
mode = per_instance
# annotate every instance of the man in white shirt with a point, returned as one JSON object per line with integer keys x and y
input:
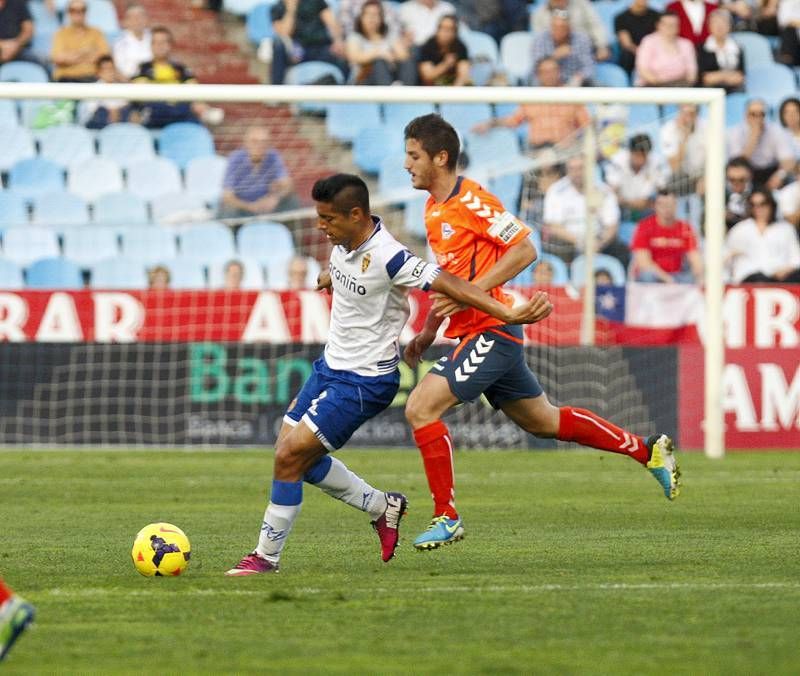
{"x": 635, "y": 175}
{"x": 420, "y": 18}
{"x": 683, "y": 143}
{"x": 789, "y": 199}
{"x": 133, "y": 48}
{"x": 565, "y": 216}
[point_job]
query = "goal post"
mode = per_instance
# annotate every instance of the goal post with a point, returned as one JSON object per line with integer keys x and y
{"x": 713, "y": 207}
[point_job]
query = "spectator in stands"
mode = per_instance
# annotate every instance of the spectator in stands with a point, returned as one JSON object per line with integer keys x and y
{"x": 158, "y": 278}
{"x": 305, "y": 30}
{"x": 443, "y": 59}
{"x": 738, "y": 186}
{"x": 134, "y": 46}
{"x": 664, "y": 59}
{"x": 765, "y": 17}
{"x": 683, "y": 144}
{"x": 719, "y": 59}
{"x": 163, "y": 69}
{"x": 693, "y": 19}
{"x": 420, "y": 18}
{"x": 376, "y": 56}
{"x": 764, "y": 144}
{"x": 99, "y": 113}
{"x": 763, "y": 248}
{"x": 233, "y": 275}
{"x": 789, "y": 30}
{"x": 77, "y": 46}
{"x": 636, "y": 174}
{"x": 298, "y": 273}
{"x": 582, "y": 18}
{"x": 350, "y": 10}
{"x": 549, "y": 124}
{"x": 602, "y": 277}
{"x": 256, "y": 180}
{"x": 789, "y": 116}
{"x": 16, "y": 31}
{"x": 571, "y": 49}
{"x": 789, "y": 199}
{"x": 631, "y": 26}
{"x": 665, "y": 248}
{"x": 565, "y": 216}
{"x": 543, "y": 273}
{"x": 494, "y": 17}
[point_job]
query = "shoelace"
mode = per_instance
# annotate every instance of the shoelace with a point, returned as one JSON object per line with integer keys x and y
{"x": 436, "y": 521}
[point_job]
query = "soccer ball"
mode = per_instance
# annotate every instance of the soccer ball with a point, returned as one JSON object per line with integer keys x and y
{"x": 161, "y": 549}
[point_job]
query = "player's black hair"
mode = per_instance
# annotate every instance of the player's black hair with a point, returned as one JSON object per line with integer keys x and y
{"x": 435, "y": 135}
{"x": 343, "y": 191}
{"x": 640, "y": 142}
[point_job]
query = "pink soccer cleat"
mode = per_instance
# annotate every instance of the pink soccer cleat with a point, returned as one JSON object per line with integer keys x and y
{"x": 252, "y": 564}
{"x": 388, "y": 525}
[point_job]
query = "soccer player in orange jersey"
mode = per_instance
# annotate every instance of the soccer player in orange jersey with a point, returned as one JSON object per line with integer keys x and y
{"x": 474, "y": 237}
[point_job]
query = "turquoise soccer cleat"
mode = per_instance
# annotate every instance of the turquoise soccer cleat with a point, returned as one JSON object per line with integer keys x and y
{"x": 663, "y": 465}
{"x": 442, "y": 531}
{"x": 15, "y": 616}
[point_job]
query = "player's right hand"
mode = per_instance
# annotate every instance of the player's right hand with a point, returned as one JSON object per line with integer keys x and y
{"x": 416, "y": 348}
{"x": 324, "y": 282}
{"x": 535, "y": 310}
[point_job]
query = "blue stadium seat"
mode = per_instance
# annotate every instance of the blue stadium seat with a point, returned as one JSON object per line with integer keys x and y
{"x": 610, "y": 74}
{"x": 153, "y": 177}
{"x": 309, "y": 73}
{"x": 516, "y": 56}
{"x": 86, "y": 246}
{"x": 253, "y": 273}
{"x": 481, "y": 73}
{"x": 10, "y": 276}
{"x": 66, "y": 144}
{"x": 601, "y": 261}
{"x": 345, "y": 120}
{"x": 13, "y": 209}
{"x": 607, "y": 10}
{"x": 414, "y": 215}
{"x": 54, "y": 273}
{"x": 25, "y": 245}
{"x": 17, "y": 144}
{"x": 149, "y": 245}
{"x": 770, "y": 83}
{"x": 95, "y": 177}
{"x": 398, "y": 115}
{"x": 560, "y": 270}
{"x": 507, "y": 188}
{"x": 184, "y": 141}
{"x": 525, "y": 277}
{"x": 204, "y": 176}
{"x": 240, "y": 7}
{"x": 265, "y": 240}
{"x": 186, "y": 273}
{"x": 480, "y": 46}
{"x": 179, "y": 207}
{"x": 207, "y": 242}
{"x": 394, "y": 181}
{"x": 120, "y": 208}
{"x": 125, "y": 143}
{"x": 735, "y": 105}
{"x": 371, "y": 145}
{"x": 258, "y": 24}
{"x": 22, "y": 71}
{"x": 756, "y": 48}
{"x": 102, "y": 14}
{"x": 55, "y": 209}
{"x": 35, "y": 176}
{"x": 494, "y": 148}
{"x": 464, "y": 116}
{"x": 118, "y": 273}
{"x": 626, "y": 230}
{"x": 642, "y": 115}
{"x": 9, "y": 115}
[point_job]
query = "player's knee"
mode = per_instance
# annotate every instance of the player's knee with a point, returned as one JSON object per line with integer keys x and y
{"x": 544, "y": 423}
{"x": 290, "y": 461}
{"x": 418, "y": 414}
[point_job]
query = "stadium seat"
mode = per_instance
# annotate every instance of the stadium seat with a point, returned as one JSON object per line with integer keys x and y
{"x": 17, "y": 144}
{"x": 642, "y": 115}
{"x": 10, "y": 276}
{"x": 118, "y": 273}
{"x": 607, "y": 10}
{"x": 345, "y": 120}
{"x": 86, "y": 246}
{"x": 102, "y": 14}
{"x": 13, "y": 209}
{"x": 258, "y": 24}
{"x": 560, "y": 270}
{"x": 149, "y": 245}
{"x": 371, "y": 145}
{"x": 184, "y": 141}
{"x": 66, "y": 144}
{"x": 204, "y": 176}
{"x": 770, "y": 83}
{"x": 120, "y": 208}
{"x": 153, "y": 177}
{"x": 23, "y": 71}
{"x": 495, "y": 148}
{"x": 464, "y": 116}
{"x": 516, "y": 51}
{"x": 480, "y": 46}
{"x": 125, "y": 143}
{"x": 9, "y": 115}
{"x": 94, "y": 177}
{"x": 394, "y": 182}
{"x": 240, "y": 7}
{"x": 481, "y": 73}
{"x": 414, "y": 215}
{"x": 25, "y": 245}
{"x": 626, "y": 230}
{"x": 54, "y": 273}
{"x": 756, "y": 48}
{"x": 610, "y": 74}
{"x": 312, "y": 72}
{"x": 265, "y": 240}
{"x": 253, "y": 273}
{"x": 507, "y": 188}
{"x": 601, "y": 261}
{"x": 35, "y": 176}
{"x": 55, "y": 209}
{"x": 178, "y": 208}
{"x": 735, "y": 105}
{"x": 398, "y": 115}
{"x": 186, "y": 273}
{"x": 207, "y": 242}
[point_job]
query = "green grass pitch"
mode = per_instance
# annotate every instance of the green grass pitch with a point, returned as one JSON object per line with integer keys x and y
{"x": 573, "y": 563}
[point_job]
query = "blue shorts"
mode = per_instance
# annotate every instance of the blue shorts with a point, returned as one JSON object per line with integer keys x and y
{"x": 491, "y": 363}
{"x": 334, "y": 404}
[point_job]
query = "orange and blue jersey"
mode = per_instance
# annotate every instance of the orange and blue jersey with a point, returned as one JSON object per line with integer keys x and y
{"x": 468, "y": 233}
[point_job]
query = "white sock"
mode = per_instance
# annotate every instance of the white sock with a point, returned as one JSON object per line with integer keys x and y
{"x": 278, "y": 520}
{"x": 344, "y": 485}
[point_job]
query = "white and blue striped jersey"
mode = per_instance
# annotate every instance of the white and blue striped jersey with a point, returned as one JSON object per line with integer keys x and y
{"x": 370, "y": 305}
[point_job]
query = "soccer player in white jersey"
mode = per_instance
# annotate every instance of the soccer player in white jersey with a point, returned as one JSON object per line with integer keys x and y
{"x": 357, "y": 376}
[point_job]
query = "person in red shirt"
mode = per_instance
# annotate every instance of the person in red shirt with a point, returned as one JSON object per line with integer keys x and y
{"x": 664, "y": 248}
{"x": 474, "y": 237}
{"x": 692, "y": 19}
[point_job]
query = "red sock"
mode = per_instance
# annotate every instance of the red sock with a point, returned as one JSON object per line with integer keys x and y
{"x": 5, "y": 593}
{"x": 437, "y": 456}
{"x": 578, "y": 424}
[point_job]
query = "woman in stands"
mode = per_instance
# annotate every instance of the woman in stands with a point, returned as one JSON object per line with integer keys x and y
{"x": 664, "y": 59}
{"x": 377, "y": 56}
{"x": 443, "y": 59}
{"x": 719, "y": 58}
{"x": 789, "y": 117}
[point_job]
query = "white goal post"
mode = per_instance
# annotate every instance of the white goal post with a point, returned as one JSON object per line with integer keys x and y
{"x": 714, "y": 209}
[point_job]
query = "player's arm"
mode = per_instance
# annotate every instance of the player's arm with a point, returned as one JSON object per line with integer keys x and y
{"x": 515, "y": 259}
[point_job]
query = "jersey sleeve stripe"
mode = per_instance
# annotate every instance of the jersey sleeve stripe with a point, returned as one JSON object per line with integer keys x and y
{"x": 397, "y": 261}
{"x": 432, "y": 278}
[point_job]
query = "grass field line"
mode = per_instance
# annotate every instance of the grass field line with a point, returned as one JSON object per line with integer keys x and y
{"x": 292, "y": 592}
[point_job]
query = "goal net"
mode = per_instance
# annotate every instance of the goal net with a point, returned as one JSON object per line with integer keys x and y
{"x": 157, "y": 283}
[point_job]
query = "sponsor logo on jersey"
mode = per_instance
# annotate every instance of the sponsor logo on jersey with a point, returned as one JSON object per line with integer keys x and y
{"x": 447, "y": 230}
{"x": 365, "y": 262}
{"x": 348, "y": 282}
{"x": 419, "y": 269}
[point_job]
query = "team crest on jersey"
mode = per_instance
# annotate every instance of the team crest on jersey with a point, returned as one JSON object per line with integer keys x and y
{"x": 447, "y": 230}
{"x": 365, "y": 262}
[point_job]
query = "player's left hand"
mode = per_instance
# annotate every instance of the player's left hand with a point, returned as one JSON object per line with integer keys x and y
{"x": 324, "y": 282}
{"x": 535, "y": 310}
{"x": 444, "y": 306}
